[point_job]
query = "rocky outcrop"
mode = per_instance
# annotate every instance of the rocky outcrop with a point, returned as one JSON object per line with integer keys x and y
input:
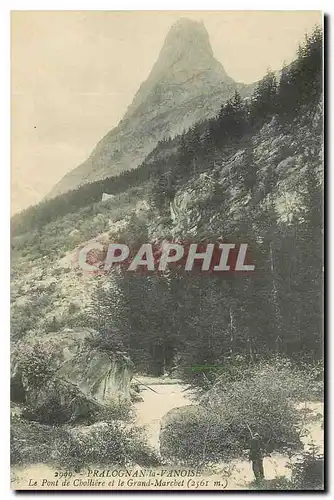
{"x": 281, "y": 156}
{"x": 106, "y": 196}
{"x": 61, "y": 377}
{"x": 186, "y": 84}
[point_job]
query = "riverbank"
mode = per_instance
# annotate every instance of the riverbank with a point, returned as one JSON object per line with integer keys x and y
{"x": 169, "y": 394}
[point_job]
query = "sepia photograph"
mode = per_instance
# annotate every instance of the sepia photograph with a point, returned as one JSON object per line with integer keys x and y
{"x": 167, "y": 250}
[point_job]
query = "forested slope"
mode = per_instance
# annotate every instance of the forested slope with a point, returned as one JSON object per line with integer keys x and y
{"x": 253, "y": 174}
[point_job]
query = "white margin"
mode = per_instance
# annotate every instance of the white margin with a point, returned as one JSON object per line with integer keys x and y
{"x": 5, "y": 8}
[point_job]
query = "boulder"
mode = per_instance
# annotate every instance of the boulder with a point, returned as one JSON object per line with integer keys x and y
{"x": 74, "y": 232}
{"x": 106, "y": 196}
{"x": 61, "y": 377}
{"x": 142, "y": 206}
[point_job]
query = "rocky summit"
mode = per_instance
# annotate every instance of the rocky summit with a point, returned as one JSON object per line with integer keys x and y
{"x": 186, "y": 84}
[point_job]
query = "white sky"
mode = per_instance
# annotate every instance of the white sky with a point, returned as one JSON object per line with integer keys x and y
{"x": 75, "y": 72}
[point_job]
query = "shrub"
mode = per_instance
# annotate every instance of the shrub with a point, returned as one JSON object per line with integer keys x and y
{"x": 307, "y": 474}
{"x": 260, "y": 399}
{"x": 104, "y": 443}
{"x": 36, "y": 363}
{"x": 196, "y": 436}
{"x": 22, "y": 320}
{"x": 30, "y": 442}
{"x": 279, "y": 483}
{"x": 308, "y": 471}
{"x": 298, "y": 383}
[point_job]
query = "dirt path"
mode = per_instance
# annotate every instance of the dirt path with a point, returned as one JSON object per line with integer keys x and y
{"x": 156, "y": 405}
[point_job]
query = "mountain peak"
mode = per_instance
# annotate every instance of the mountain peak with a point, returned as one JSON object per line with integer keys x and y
{"x": 187, "y": 31}
{"x": 185, "y": 85}
{"x": 187, "y": 43}
{"x": 186, "y": 53}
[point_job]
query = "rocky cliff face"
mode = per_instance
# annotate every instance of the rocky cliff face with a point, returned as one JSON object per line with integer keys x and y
{"x": 186, "y": 84}
{"x": 287, "y": 153}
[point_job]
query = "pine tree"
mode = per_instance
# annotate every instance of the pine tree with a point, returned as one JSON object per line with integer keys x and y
{"x": 264, "y": 100}
{"x": 184, "y": 156}
{"x": 231, "y": 120}
{"x": 301, "y": 82}
{"x": 162, "y": 189}
{"x": 99, "y": 316}
{"x": 248, "y": 171}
